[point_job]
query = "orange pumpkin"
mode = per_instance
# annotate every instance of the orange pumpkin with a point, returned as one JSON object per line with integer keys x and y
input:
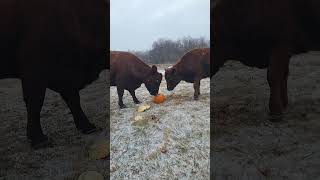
{"x": 160, "y": 98}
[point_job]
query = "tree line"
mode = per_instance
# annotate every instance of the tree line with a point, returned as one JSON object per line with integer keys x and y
{"x": 166, "y": 51}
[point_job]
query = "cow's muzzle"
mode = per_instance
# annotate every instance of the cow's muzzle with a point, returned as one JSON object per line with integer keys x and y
{"x": 170, "y": 88}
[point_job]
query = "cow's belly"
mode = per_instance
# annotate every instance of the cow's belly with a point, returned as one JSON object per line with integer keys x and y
{"x": 256, "y": 64}
{"x": 8, "y": 67}
{"x": 189, "y": 78}
{"x": 132, "y": 86}
{"x": 189, "y": 81}
{"x": 130, "y": 83}
{"x": 112, "y": 83}
{"x": 8, "y": 71}
{"x": 255, "y": 58}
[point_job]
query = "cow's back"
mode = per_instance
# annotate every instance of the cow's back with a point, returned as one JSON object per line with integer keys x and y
{"x": 9, "y": 23}
{"x": 126, "y": 66}
{"x": 119, "y": 66}
{"x": 195, "y": 62}
{"x": 64, "y": 41}
{"x": 256, "y": 27}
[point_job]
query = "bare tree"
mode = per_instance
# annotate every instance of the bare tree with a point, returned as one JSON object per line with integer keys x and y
{"x": 169, "y": 51}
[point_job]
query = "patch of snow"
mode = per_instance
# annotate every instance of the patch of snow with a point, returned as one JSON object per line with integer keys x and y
{"x": 175, "y": 141}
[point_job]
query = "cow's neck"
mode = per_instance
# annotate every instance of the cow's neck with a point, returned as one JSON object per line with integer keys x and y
{"x": 142, "y": 72}
{"x": 178, "y": 67}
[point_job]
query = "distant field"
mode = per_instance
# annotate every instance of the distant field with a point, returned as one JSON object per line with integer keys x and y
{"x": 245, "y": 144}
{"x": 180, "y": 124}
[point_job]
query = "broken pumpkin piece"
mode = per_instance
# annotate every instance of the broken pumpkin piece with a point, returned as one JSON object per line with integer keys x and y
{"x": 143, "y": 108}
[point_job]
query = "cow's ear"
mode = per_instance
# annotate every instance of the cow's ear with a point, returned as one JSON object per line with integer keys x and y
{"x": 154, "y": 69}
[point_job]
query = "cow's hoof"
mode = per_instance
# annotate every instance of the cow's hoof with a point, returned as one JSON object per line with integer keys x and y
{"x": 137, "y": 102}
{"x": 122, "y": 106}
{"x": 88, "y": 129}
{"x": 275, "y": 117}
{"x": 42, "y": 142}
{"x": 196, "y": 98}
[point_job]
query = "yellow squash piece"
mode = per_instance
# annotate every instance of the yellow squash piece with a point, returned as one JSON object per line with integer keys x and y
{"x": 143, "y": 108}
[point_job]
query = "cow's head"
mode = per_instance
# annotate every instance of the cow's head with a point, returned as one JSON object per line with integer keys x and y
{"x": 172, "y": 78}
{"x": 153, "y": 80}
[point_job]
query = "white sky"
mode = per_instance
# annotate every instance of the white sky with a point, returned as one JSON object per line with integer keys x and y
{"x": 136, "y": 24}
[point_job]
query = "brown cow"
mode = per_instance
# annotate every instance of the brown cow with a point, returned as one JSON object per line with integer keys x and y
{"x": 265, "y": 34}
{"x": 192, "y": 67}
{"x": 128, "y": 72}
{"x": 59, "y": 45}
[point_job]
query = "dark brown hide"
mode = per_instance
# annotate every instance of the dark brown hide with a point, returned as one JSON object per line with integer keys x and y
{"x": 61, "y": 45}
{"x": 192, "y": 67}
{"x": 128, "y": 72}
{"x": 265, "y": 34}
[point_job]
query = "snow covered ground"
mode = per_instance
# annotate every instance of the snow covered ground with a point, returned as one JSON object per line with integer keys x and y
{"x": 173, "y": 143}
{"x": 245, "y": 145}
{"x": 68, "y": 158}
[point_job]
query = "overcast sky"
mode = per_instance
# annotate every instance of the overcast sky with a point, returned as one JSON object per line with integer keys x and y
{"x": 136, "y": 24}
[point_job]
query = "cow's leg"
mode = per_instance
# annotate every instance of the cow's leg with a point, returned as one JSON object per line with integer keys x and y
{"x": 285, "y": 88}
{"x": 33, "y": 95}
{"x": 275, "y": 102}
{"x": 120, "y": 91}
{"x": 135, "y": 99}
{"x": 276, "y": 78}
{"x": 72, "y": 98}
{"x": 196, "y": 86}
